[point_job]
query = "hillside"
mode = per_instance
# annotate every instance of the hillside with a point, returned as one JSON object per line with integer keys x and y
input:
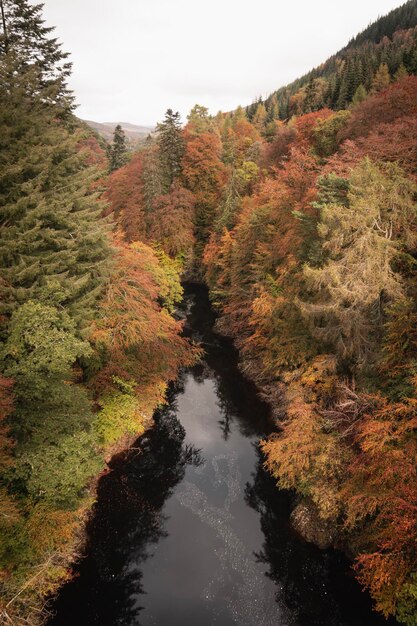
{"x": 384, "y": 48}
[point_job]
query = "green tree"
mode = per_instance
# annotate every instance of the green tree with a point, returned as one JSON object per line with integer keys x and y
{"x": 199, "y": 120}
{"x": 171, "y": 147}
{"x": 54, "y": 245}
{"x": 117, "y": 151}
{"x": 348, "y": 85}
{"x": 326, "y": 131}
{"x": 27, "y": 40}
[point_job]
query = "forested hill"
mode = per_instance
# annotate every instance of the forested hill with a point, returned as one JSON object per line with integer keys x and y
{"x": 386, "y": 47}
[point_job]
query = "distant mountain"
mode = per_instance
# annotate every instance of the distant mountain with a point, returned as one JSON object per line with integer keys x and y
{"x": 133, "y": 132}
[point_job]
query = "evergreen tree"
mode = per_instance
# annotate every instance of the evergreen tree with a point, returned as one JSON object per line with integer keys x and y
{"x": 53, "y": 244}
{"x": 27, "y": 40}
{"x": 117, "y": 152}
{"x": 348, "y": 85}
{"x": 272, "y": 108}
{"x": 171, "y": 147}
{"x": 309, "y": 100}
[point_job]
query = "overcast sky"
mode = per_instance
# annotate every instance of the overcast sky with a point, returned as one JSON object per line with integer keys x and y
{"x": 135, "y": 58}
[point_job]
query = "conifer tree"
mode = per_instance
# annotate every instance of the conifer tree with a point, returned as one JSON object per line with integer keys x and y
{"x": 53, "y": 244}
{"x": 117, "y": 152}
{"x": 348, "y": 85}
{"x": 272, "y": 108}
{"x": 25, "y": 39}
{"x": 171, "y": 147}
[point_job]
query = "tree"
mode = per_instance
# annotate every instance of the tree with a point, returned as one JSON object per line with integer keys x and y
{"x": 361, "y": 239}
{"x": 401, "y": 72}
{"x": 326, "y": 133}
{"x": 27, "y": 41}
{"x": 54, "y": 246}
{"x": 272, "y": 108}
{"x": 125, "y": 194}
{"x": 348, "y": 85}
{"x": 117, "y": 152}
{"x": 199, "y": 120}
{"x": 359, "y": 95}
{"x": 139, "y": 339}
{"x": 381, "y": 79}
{"x": 381, "y": 488}
{"x": 260, "y": 117}
{"x": 171, "y": 147}
{"x": 151, "y": 177}
{"x": 171, "y": 223}
{"x": 204, "y": 175}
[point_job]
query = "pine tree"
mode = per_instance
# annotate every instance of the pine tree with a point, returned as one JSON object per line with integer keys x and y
{"x": 348, "y": 85}
{"x": 117, "y": 152}
{"x": 53, "y": 245}
{"x": 310, "y": 97}
{"x": 272, "y": 108}
{"x": 171, "y": 147}
{"x": 25, "y": 39}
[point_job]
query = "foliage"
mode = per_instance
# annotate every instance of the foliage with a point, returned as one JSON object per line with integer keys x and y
{"x": 120, "y": 414}
{"x": 299, "y": 212}
{"x": 117, "y": 151}
{"x": 172, "y": 222}
{"x": 361, "y": 240}
{"x": 86, "y": 318}
{"x": 171, "y": 147}
{"x": 125, "y": 197}
{"x": 312, "y": 267}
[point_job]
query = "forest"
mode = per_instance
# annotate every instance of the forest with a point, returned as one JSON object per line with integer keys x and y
{"x": 298, "y": 212}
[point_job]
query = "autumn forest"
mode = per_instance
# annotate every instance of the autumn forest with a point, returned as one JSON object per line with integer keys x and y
{"x": 297, "y": 211}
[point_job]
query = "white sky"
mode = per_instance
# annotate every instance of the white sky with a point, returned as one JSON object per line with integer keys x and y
{"x": 135, "y": 58}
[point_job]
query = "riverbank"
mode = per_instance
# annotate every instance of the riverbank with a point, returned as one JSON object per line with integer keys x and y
{"x": 191, "y": 528}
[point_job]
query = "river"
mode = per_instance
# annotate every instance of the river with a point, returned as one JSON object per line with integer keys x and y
{"x": 189, "y": 530}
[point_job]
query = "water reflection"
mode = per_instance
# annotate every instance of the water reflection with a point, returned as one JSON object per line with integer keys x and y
{"x": 127, "y": 520}
{"x": 317, "y": 586}
{"x": 188, "y": 528}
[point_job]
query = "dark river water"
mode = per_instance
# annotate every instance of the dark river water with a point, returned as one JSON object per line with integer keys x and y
{"x": 189, "y": 530}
